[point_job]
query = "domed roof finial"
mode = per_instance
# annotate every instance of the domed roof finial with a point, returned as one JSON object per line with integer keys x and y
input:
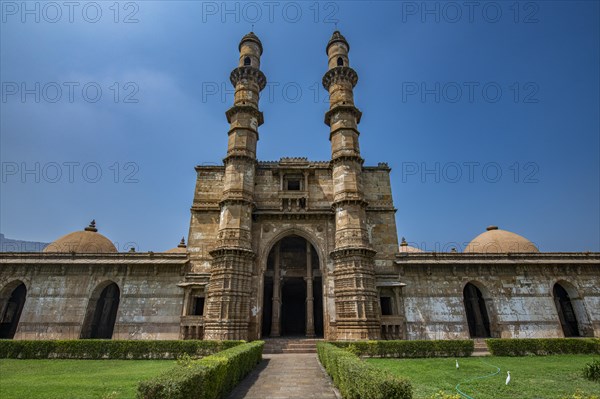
{"x": 182, "y": 243}
{"x": 251, "y": 37}
{"x": 337, "y": 37}
{"x": 404, "y": 243}
{"x": 92, "y": 226}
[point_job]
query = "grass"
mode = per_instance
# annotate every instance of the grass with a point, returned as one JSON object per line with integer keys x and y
{"x": 541, "y": 377}
{"x": 76, "y": 379}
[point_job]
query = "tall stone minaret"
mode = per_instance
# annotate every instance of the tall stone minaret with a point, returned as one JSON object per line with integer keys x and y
{"x": 229, "y": 288}
{"x": 356, "y": 307}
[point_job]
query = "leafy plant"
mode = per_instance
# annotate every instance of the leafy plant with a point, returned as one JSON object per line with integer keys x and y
{"x": 184, "y": 360}
{"x": 591, "y": 371}
{"x": 580, "y": 395}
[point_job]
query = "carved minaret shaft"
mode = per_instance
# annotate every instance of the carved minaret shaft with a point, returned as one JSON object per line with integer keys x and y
{"x": 229, "y": 288}
{"x": 357, "y": 311}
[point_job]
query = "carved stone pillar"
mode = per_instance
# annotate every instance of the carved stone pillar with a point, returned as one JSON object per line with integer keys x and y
{"x": 186, "y": 301}
{"x": 310, "y": 316}
{"x": 276, "y": 312}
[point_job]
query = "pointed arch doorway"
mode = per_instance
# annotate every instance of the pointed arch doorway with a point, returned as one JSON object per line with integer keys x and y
{"x": 477, "y": 314}
{"x": 566, "y": 312}
{"x": 12, "y": 300}
{"x": 293, "y": 294}
{"x": 101, "y": 312}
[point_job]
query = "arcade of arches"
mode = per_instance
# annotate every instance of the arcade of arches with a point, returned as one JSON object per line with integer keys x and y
{"x": 293, "y": 294}
{"x": 569, "y": 310}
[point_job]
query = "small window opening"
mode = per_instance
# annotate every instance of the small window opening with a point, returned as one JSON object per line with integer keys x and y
{"x": 198, "y": 306}
{"x": 386, "y": 306}
{"x": 293, "y": 185}
{"x": 340, "y": 61}
{"x": 247, "y": 61}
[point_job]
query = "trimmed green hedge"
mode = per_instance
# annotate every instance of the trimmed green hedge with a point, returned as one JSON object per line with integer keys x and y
{"x": 409, "y": 349}
{"x": 109, "y": 349}
{"x": 209, "y": 378}
{"x": 358, "y": 380}
{"x": 542, "y": 346}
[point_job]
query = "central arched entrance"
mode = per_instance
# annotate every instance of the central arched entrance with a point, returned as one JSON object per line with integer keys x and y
{"x": 293, "y": 297}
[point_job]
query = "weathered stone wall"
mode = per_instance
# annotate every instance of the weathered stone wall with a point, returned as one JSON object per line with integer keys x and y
{"x": 517, "y": 292}
{"x": 58, "y": 292}
{"x": 204, "y": 221}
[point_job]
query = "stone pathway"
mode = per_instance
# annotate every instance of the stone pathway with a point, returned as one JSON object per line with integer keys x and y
{"x": 286, "y": 376}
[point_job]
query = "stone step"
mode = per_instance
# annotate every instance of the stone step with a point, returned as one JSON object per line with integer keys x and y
{"x": 299, "y": 350}
{"x": 291, "y": 345}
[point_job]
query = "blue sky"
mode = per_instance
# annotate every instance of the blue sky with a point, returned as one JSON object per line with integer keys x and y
{"x": 487, "y": 114}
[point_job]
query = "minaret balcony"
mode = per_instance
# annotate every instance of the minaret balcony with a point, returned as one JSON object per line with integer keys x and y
{"x": 340, "y": 73}
{"x": 248, "y": 73}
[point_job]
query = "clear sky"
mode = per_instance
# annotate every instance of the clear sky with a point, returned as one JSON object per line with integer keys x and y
{"x": 487, "y": 111}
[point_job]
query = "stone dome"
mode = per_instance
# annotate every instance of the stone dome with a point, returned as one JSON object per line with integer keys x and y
{"x": 497, "y": 241}
{"x": 88, "y": 241}
{"x": 405, "y": 248}
{"x": 179, "y": 249}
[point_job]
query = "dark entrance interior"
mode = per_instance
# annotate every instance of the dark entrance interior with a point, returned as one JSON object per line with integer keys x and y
{"x": 566, "y": 313}
{"x": 292, "y": 288}
{"x": 293, "y": 306}
{"x": 11, "y": 312}
{"x": 318, "y": 295}
{"x": 102, "y": 313}
{"x": 267, "y": 306}
{"x": 477, "y": 316}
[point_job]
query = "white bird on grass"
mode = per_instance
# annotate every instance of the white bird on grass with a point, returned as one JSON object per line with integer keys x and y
{"x": 507, "y": 377}
{"x": 457, "y": 366}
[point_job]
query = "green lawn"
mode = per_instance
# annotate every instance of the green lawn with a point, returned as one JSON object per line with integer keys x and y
{"x": 76, "y": 379}
{"x": 532, "y": 377}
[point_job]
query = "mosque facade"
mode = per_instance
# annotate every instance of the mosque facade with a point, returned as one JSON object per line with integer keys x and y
{"x": 297, "y": 248}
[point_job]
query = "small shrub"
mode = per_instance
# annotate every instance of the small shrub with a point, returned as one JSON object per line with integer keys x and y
{"x": 358, "y": 380}
{"x": 209, "y": 378}
{"x": 591, "y": 371}
{"x": 184, "y": 360}
{"x": 543, "y": 346}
